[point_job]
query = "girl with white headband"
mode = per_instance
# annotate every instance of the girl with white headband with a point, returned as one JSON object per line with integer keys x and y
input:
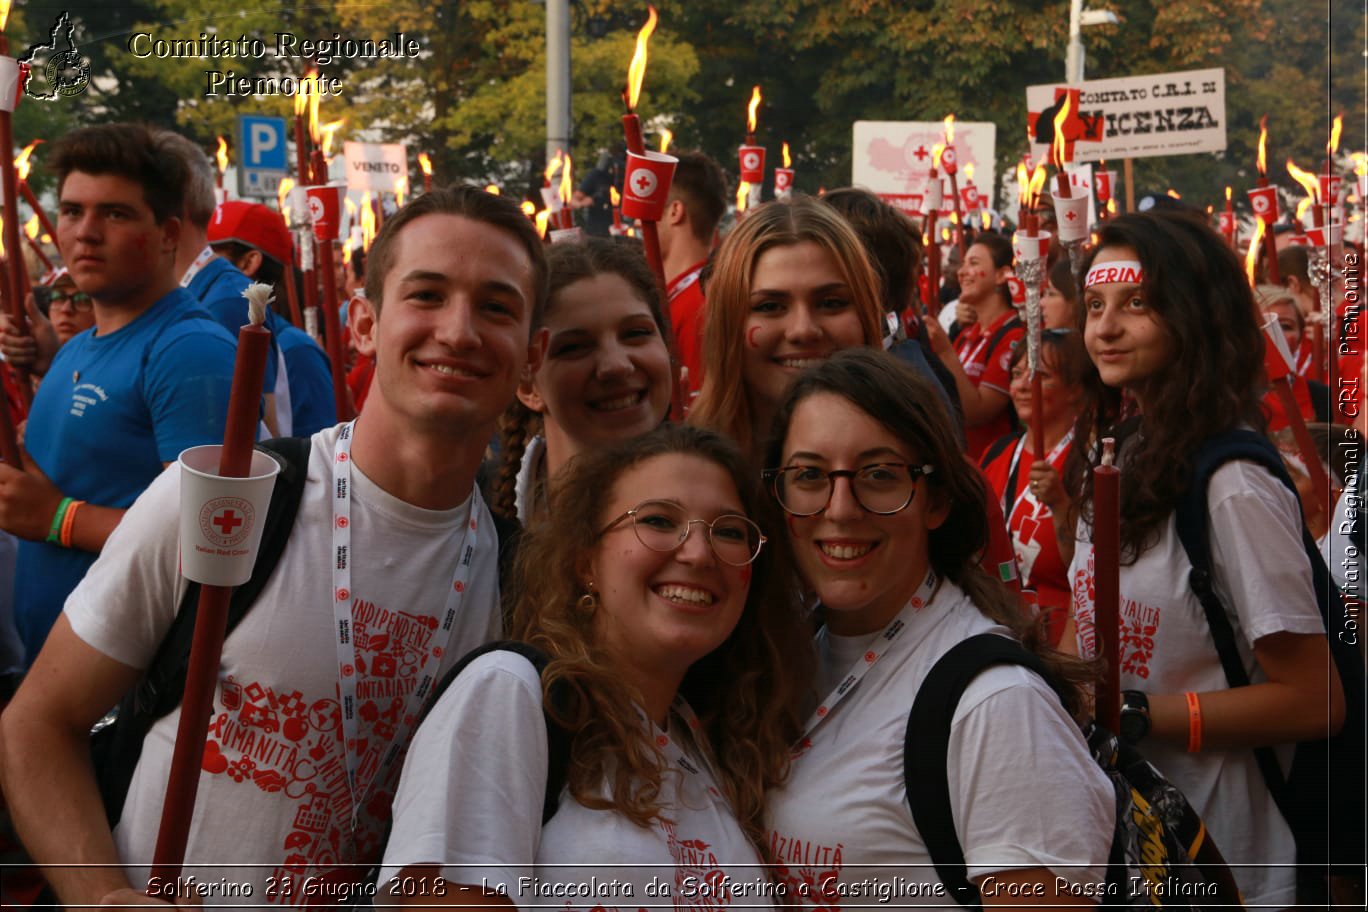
{"x": 1169, "y": 325}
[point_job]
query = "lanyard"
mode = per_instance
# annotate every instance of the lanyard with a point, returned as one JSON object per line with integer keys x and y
{"x": 684, "y": 282}
{"x": 1054, "y": 454}
{"x": 204, "y": 257}
{"x": 967, "y": 357}
{"x": 920, "y": 599}
{"x": 674, "y": 752}
{"x": 342, "y": 613}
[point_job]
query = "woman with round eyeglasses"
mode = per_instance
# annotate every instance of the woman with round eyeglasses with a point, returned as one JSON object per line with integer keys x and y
{"x": 886, "y": 519}
{"x": 677, "y": 662}
{"x": 57, "y": 312}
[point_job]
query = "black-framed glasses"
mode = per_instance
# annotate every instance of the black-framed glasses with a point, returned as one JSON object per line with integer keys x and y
{"x": 884, "y": 488}
{"x": 663, "y": 526}
{"x": 74, "y": 301}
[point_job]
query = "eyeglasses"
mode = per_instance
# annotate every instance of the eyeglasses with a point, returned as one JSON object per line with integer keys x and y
{"x": 884, "y": 488}
{"x": 76, "y": 301}
{"x": 662, "y": 526}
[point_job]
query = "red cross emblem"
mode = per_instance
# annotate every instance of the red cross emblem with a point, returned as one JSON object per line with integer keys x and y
{"x": 921, "y": 153}
{"x": 227, "y": 520}
{"x": 1071, "y": 215}
{"x": 643, "y": 182}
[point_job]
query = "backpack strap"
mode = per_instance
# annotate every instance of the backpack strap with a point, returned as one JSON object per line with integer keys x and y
{"x": 1193, "y": 525}
{"x": 163, "y": 683}
{"x": 996, "y": 448}
{"x": 558, "y": 738}
{"x": 999, "y": 334}
{"x": 926, "y": 745}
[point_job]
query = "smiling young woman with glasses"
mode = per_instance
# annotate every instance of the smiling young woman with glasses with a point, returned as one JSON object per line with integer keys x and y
{"x": 887, "y": 519}
{"x": 677, "y": 662}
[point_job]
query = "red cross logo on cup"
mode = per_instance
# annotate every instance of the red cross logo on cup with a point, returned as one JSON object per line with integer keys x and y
{"x": 316, "y": 211}
{"x": 1071, "y": 215}
{"x": 642, "y": 182}
{"x": 750, "y": 160}
{"x": 227, "y": 520}
{"x": 1260, "y": 203}
{"x": 948, "y": 157}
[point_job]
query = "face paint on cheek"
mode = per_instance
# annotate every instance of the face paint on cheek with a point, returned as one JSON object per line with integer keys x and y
{"x": 792, "y": 522}
{"x": 746, "y": 575}
{"x": 750, "y": 336}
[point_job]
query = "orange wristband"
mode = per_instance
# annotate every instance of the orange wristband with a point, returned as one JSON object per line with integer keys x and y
{"x": 1194, "y": 723}
{"x": 69, "y": 521}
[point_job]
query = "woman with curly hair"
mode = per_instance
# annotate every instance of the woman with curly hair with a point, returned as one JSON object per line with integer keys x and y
{"x": 605, "y": 377}
{"x": 790, "y": 286}
{"x": 887, "y": 520}
{"x": 1170, "y": 326}
{"x": 677, "y": 658}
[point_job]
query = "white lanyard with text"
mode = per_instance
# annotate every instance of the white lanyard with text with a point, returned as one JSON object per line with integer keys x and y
{"x": 673, "y": 750}
{"x": 342, "y": 612}
{"x": 1016, "y": 460}
{"x": 204, "y": 257}
{"x": 920, "y": 599}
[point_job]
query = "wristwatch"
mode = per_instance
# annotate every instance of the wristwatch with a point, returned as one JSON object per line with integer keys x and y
{"x": 1135, "y": 716}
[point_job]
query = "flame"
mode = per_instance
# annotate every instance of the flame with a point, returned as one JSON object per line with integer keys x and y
{"x": 31, "y": 227}
{"x": 543, "y": 217}
{"x": 949, "y": 129}
{"x": 367, "y": 222}
{"x": 400, "y": 190}
{"x": 969, "y": 172}
{"x": 22, "y": 163}
{"x": 222, "y": 155}
{"x": 1307, "y": 181}
{"x": 1360, "y": 163}
{"x": 1227, "y": 193}
{"x": 636, "y": 72}
{"x": 1059, "y": 149}
{"x": 936, "y": 152}
{"x": 327, "y": 136}
{"x": 567, "y": 187}
{"x": 1252, "y": 257}
{"x": 742, "y": 197}
{"x": 1037, "y": 184}
{"x": 4, "y": 13}
{"x": 1023, "y": 185}
{"x": 945, "y": 235}
{"x": 425, "y": 163}
{"x": 283, "y": 192}
{"x": 614, "y": 196}
{"x": 553, "y": 165}
{"x": 1210, "y": 210}
{"x": 752, "y": 108}
{"x": 1304, "y": 204}
{"x": 665, "y": 137}
{"x": 1111, "y": 206}
{"x": 987, "y": 220}
{"x": 1262, "y": 160}
{"x": 492, "y": 189}
{"x": 301, "y": 99}
{"x": 1333, "y": 146}
{"x": 1174, "y": 194}
{"x": 954, "y": 217}
{"x": 529, "y": 208}
{"x": 788, "y": 159}
{"x": 346, "y": 254}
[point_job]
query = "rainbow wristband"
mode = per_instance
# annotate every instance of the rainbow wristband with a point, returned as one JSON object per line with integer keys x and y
{"x": 54, "y": 536}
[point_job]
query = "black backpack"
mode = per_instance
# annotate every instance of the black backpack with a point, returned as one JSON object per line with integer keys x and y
{"x": 1322, "y": 798}
{"x": 117, "y": 745}
{"x": 1159, "y": 843}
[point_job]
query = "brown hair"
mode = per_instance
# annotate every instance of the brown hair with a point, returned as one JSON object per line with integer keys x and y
{"x": 467, "y": 201}
{"x": 702, "y": 187}
{"x": 723, "y": 403}
{"x": 130, "y": 151}
{"x": 894, "y": 244}
{"x": 747, "y": 692}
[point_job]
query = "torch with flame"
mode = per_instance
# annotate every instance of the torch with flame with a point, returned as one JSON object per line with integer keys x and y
{"x": 742, "y": 197}
{"x": 567, "y": 193}
{"x": 542, "y": 218}
{"x": 283, "y": 197}
{"x": 221, "y": 157}
{"x": 636, "y": 70}
{"x": 400, "y": 191}
{"x": 529, "y": 209}
{"x": 788, "y": 160}
{"x": 1311, "y": 185}
{"x": 23, "y": 161}
{"x": 1060, "y": 150}
{"x": 493, "y": 189}
{"x": 326, "y": 137}
{"x": 367, "y": 221}
{"x": 665, "y": 138}
{"x": 783, "y": 177}
{"x": 751, "y": 109}
{"x": 426, "y": 164}
{"x": 616, "y": 199}
{"x": 1261, "y": 161}
{"x": 1330, "y": 182}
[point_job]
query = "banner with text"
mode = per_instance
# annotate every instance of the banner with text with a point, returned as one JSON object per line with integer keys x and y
{"x": 893, "y": 158}
{"x": 379, "y": 167}
{"x": 1132, "y": 117}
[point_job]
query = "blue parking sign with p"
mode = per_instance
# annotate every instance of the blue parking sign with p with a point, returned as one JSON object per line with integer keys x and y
{"x": 263, "y": 159}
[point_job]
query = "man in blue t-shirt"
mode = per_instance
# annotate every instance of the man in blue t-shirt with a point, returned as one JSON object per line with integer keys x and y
{"x": 123, "y": 399}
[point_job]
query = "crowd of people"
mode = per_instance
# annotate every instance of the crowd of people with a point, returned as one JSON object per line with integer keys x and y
{"x": 531, "y": 628}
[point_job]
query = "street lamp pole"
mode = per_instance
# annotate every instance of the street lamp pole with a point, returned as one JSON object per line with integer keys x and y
{"x": 557, "y": 77}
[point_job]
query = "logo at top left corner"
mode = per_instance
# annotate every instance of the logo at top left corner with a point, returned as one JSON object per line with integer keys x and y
{"x": 56, "y": 69}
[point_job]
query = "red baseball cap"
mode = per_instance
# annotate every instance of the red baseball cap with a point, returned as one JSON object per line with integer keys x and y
{"x": 254, "y": 225}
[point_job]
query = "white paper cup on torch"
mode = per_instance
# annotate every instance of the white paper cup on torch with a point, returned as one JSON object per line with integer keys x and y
{"x": 935, "y": 194}
{"x": 221, "y": 519}
{"x": 325, "y": 210}
{"x": 752, "y": 161}
{"x": 1027, "y": 248}
{"x": 551, "y": 199}
{"x": 647, "y": 187}
{"x": 9, "y": 84}
{"x": 969, "y": 197}
{"x": 783, "y": 183}
{"x": 1071, "y": 212}
{"x": 1103, "y": 181}
{"x": 1326, "y": 236}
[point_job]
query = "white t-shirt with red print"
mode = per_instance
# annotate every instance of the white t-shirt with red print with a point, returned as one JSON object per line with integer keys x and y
{"x": 274, "y": 788}
{"x": 1261, "y": 575}
{"x": 1024, "y": 792}
{"x": 470, "y": 800}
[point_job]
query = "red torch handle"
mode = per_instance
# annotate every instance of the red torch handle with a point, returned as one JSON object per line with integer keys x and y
{"x": 249, "y": 374}
{"x": 332, "y": 328}
{"x": 1037, "y": 417}
{"x": 9, "y": 439}
{"x": 933, "y": 267}
{"x": 1107, "y": 585}
{"x": 16, "y": 276}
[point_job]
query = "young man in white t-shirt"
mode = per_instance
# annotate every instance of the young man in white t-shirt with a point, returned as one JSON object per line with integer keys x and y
{"x": 292, "y": 789}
